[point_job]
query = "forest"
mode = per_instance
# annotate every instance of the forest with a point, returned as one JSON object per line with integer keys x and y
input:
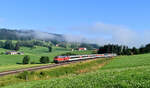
{"x": 123, "y": 50}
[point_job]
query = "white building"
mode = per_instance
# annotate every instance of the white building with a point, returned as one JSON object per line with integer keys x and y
{"x": 14, "y": 53}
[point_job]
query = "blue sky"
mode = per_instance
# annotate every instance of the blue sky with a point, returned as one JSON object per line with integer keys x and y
{"x": 64, "y": 16}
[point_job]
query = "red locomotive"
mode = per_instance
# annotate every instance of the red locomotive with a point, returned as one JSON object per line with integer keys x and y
{"x": 59, "y": 59}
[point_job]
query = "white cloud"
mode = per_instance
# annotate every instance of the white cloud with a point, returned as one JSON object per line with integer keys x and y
{"x": 101, "y": 33}
{"x": 36, "y": 34}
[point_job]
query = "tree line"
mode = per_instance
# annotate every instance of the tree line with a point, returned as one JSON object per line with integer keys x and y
{"x": 8, "y": 44}
{"x": 123, "y": 50}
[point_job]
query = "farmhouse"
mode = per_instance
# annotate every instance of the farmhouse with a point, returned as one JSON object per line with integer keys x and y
{"x": 72, "y": 49}
{"x": 14, "y": 53}
{"x": 82, "y": 49}
{"x": 11, "y": 52}
{"x": 57, "y": 45}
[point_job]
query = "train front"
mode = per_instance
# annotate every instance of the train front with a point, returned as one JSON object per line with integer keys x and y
{"x": 56, "y": 59}
{"x": 59, "y": 59}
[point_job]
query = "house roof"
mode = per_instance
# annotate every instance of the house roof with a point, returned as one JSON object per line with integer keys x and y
{"x": 11, "y": 51}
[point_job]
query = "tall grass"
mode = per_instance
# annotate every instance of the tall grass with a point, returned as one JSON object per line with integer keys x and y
{"x": 62, "y": 71}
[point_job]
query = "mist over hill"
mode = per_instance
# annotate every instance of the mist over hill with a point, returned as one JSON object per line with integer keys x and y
{"x": 62, "y": 40}
{"x": 8, "y": 34}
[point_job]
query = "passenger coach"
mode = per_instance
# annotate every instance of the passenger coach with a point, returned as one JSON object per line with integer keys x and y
{"x": 59, "y": 59}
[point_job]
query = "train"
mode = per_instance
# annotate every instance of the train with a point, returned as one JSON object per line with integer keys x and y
{"x": 60, "y": 59}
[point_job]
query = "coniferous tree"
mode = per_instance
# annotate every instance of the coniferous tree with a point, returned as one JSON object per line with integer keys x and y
{"x": 50, "y": 49}
{"x": 135, "y": 50}
{"x": 128, "y": 52}
{"x": 17, "y": 47}
{"x": 110, "y": 48}
{"x": 9, "y": 45}
{"x": 142, "y": 49}
{"x": 1, "y": 44}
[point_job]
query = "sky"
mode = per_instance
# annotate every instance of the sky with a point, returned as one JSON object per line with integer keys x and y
{"x": 125, "y": 22}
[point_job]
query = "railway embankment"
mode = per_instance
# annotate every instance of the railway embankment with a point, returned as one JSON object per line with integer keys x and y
{"x": 81, "y": 67}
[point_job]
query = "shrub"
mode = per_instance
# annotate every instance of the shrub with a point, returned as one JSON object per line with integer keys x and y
{"x": 24, "y": 75}
{"x": 43, "y": 73}
{"x": 26, "y": 60}
{"x": 1, "y": 53}
{"x": 44, "y": 59}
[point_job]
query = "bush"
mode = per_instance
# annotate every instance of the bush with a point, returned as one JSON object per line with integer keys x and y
{"x": 43, "y": 73}
{"x": 1, "y": 53}
{"x": 44, "y": 59}
{"x": 26, "y": 60}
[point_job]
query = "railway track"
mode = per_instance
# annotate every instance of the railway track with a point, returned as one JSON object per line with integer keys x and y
{"x": 36, "y": 68}
{"x": 44, "y": 66}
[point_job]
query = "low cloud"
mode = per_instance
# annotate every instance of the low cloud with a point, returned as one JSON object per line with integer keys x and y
{"x": 42, "y": 35}
{"x": 75, "y": 38}
{"x": 36, "y": 34}
{"x": 101, "y": 34}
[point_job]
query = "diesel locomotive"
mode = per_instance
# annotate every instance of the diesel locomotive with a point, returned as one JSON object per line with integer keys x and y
{"x": 59, "y": 59}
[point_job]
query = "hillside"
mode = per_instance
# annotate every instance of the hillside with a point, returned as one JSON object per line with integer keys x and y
{"x": 11, "y": 62}
{"x": 27, "y": 35}
{"x": 121, "y": 72}
{"x": 10, "y": 34}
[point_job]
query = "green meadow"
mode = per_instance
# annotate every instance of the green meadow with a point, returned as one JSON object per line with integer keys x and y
{"x": 12, "y": 62}
{"x": 60, "y": 71}
{"x": 120, "y": 72}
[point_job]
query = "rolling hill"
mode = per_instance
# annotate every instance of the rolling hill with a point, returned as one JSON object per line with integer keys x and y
{"x": 10, "y": 34}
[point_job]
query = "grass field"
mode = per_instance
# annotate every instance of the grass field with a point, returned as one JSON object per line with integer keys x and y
{"x": 11, "y": 62}
{"x": 121, "y": 72}
{"x": 34, "y": 54}
{"x": 61, "y": 71}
